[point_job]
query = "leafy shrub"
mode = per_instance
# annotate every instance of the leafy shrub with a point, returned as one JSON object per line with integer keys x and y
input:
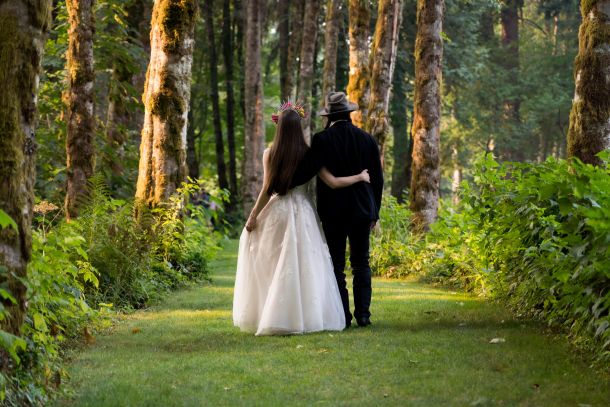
{"x": 536, "y": 236}
{"x": 78, "y": 268}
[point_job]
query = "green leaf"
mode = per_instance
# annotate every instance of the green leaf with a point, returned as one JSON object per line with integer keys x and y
{"x": 11, "y": 344}
{"x": 6, "y": 220}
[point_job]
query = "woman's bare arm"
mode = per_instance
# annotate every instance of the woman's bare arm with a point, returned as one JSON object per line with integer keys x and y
{"x": 263, "y": 196}
{"x": 342, "y": 182}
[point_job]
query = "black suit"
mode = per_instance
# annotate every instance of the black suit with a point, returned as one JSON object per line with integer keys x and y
{"x": 346, "y": 213}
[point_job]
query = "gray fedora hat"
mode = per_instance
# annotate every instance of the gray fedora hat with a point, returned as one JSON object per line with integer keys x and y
{"x": 336, "y": 102}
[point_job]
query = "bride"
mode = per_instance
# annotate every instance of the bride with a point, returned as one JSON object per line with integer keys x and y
{"x": 285, "y": 282}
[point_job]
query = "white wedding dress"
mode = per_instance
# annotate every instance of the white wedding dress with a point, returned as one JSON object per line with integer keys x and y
{"x": 285, "y": 282}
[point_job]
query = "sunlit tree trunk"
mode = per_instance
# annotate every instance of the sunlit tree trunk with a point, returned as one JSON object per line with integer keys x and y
{"x": 297, "y": 9}
{"x": 456, "y": 177}
{"x": 166, "y": 100}
{"x": 221, "y": 167}
{"x": 383, "y": 59}
{"x": 358, "y": 85}
{"x": 308, "y": 44}
{"x": 425, "y": 181}
{"x": 254, "y": 126}
{"x": 227, "y": 41}
{"x": 80, "y": 103}
{"x": 23, "y": 28}
{"x": 589, "y": 131}
{"x": 333, "y": 16}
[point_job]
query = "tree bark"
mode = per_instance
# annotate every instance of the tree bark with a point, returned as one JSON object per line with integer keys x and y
{"x": 297, "y": 9}
{"x": 509, "y": 18}
{"x": 221, "y": 167}
{"x": 254, "y": 126}
{"x": 80, "y": 96}
{"x": 589, "y": 131}
{"x": 308, "y": 44}
{"x": 230, "y": 102}
{"x": 192, "y": 161}
{"x": 358, "y": 84}
{"x": 425, "y": 182}
{"x": 333, "y": 21}
{"x": 383, "y": 60}
{"x": 166, "y": 100}
{"x": 122, "y": 120}
{"x": 284, "y": 32}
{"x": 23, "y": 29}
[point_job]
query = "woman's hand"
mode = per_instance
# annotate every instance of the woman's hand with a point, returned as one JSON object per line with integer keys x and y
{"x": 364, "y": 176}
{"x": 251, "y": 223}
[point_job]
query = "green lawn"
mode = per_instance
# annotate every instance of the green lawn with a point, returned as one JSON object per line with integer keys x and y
{"x": 427, "y": 347}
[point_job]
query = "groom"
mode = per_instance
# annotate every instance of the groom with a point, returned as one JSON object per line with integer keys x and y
{"x": 348, "y": 213}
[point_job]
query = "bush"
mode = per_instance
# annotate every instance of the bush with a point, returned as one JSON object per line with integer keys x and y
{"x": 104, "y": 258}
{"x": 536, "y": 236}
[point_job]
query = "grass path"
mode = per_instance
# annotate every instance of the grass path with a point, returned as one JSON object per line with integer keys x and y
{"x": 427, "y": 347}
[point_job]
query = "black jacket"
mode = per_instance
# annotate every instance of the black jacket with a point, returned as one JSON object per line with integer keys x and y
{"x": 344, "y": 150}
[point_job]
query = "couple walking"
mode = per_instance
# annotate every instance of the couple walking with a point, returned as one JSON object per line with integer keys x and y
{"x": 290, "y": 271}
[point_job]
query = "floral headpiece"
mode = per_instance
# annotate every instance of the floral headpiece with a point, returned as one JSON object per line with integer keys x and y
{"x": 288, "y": 105}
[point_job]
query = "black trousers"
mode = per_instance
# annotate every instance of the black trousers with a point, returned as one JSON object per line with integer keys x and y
{"x": 357, "y": 231}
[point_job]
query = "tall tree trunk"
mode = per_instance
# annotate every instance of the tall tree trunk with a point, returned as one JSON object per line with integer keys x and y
{"x": 456, "y": 178}
{"x": 239, "y": 22}
{"x": 297, "y": 9}
{"x": 425, "y": 181}
{"x": 23, "y": 28}
{"x": 509, "y": 18}
{"x": 122, "y": 120}
{"x": 254, "y": 126}
{"x": 333, "y": 21}
{"x": 383, "y": 59}
{"x": 401, "y": 170}
{"x": 589, "y": 131}
{"x": 308, "y": 44}
{"x": 80, "y": 103}
{"x": 342, "y": 72}
{"x": 221, "y": 166}
{"x": 358, "y": 85}
{"x": 284, "y": 32}
{"x": 230, "y": 102}
{"x": 192, "y": 161}
{"x": 166, "y": 99}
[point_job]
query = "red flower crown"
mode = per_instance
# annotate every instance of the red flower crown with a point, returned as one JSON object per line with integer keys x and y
{"x": 288, "y": 105}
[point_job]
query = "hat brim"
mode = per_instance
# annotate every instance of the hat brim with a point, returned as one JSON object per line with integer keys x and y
{"x": 352, "y": 107}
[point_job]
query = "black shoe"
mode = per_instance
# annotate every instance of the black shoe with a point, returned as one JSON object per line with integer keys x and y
{"x": 363, "y": 321}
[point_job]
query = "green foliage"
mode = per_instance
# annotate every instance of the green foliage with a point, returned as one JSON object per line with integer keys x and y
{"x": 536, "y": 236}
{"x": 100, "y": 260}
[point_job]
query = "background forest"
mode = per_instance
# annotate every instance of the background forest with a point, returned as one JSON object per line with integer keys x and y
{"x": 114, "y": 227}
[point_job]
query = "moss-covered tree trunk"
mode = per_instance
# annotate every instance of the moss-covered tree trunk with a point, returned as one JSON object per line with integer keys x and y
{"x": 358, "y": 84}
{"x": 227, "y": 47}
{"x": 166, "y": 100}
{"x": 426, "y": 171}
{"x": 192, "y": 161}
{"x": 254, "y": 126}
{"x": 329, "y": 75}
{"x": 80, "y": 137}
{"x": 221, "y": 166}
{"x": 589, "y": 131}
{"x": 23, "y": 28}
{"x": 383, "y": 60}
{"x": 297, "y": 10}
{"x": 307, "y": 61}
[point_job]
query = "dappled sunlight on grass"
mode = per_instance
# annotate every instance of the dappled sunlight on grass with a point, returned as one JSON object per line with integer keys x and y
{"x": 183, "y": 314}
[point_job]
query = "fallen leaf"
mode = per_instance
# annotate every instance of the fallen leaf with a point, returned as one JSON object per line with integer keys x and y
{"x": 535, "y": 386}
{"x": 322, "y": 350}
{"x": 227, "y": 388}
{"x": 299, "y": 346}
{"x": 497, "y": 340}
{"x": 136, "y": 330}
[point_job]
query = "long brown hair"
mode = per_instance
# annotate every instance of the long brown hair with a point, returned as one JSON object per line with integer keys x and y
{"x": 286, "y": 153}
